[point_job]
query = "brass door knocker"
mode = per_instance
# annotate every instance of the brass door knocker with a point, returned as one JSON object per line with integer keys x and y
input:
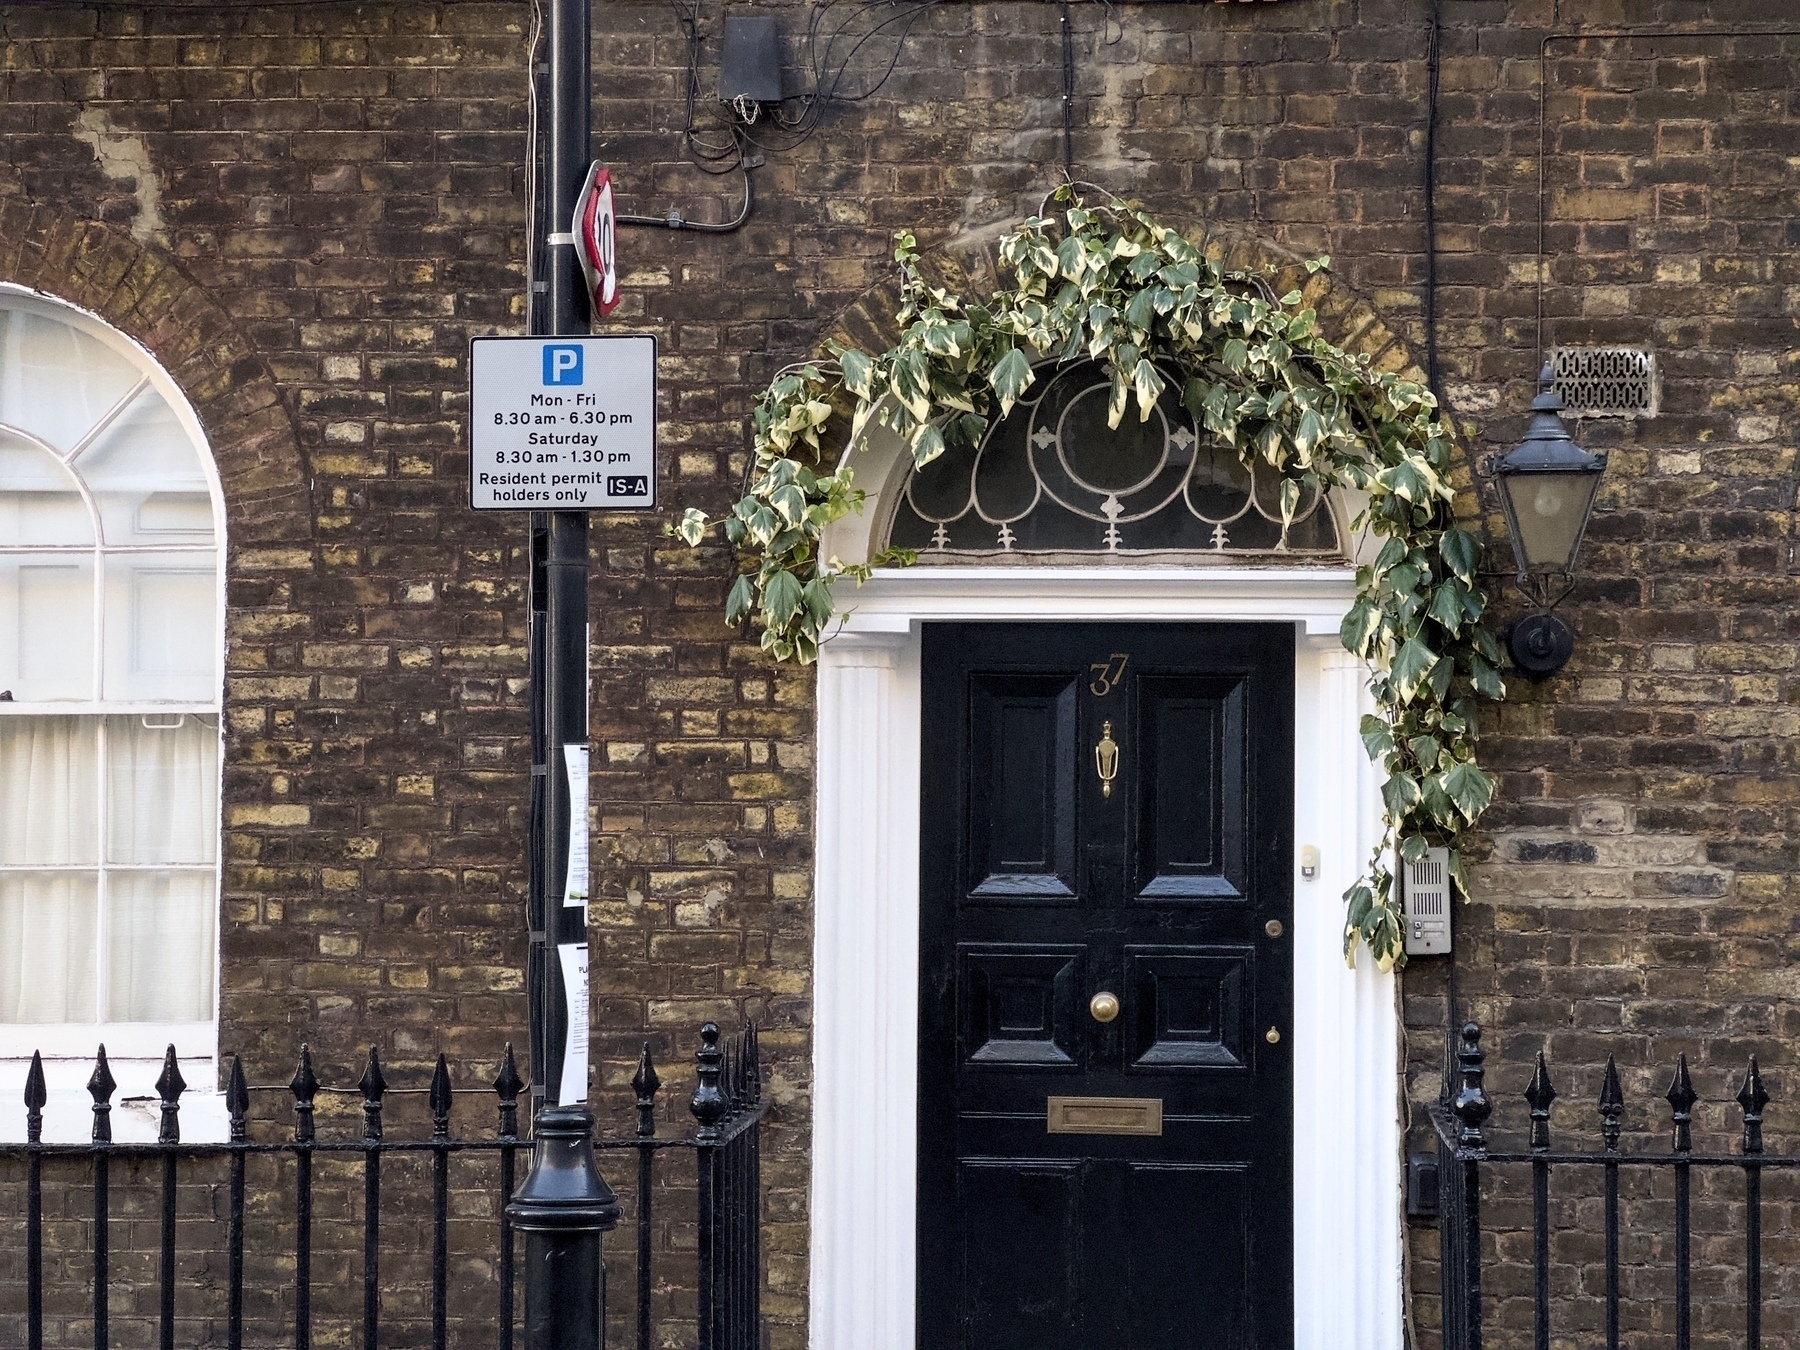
{"x": 1106, "y": 759}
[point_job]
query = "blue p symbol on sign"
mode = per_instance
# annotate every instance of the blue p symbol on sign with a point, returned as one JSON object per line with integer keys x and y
{"x": 562, "y": 364}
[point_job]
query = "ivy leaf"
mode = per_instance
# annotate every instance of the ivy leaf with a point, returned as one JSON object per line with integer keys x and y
{"x": 1359, "y": 625}
{"x": 1469, "y": 787}
{"x": 1405, "y": 480}
{"x": 1425, "y": 750}
{"x": 1290, "y": 499}
{"x": 1456, "y": 872}
{"x": 1115, "y": 402}
{"x": 1309, "y": 433}
{"x": 816, "y": 596}
{"x": 1447, "y": 606}
{"x": 692, "y": 528}
{"x": 1401, "y": 792}
{"x": 1140, "y": 312}
{"x": 790, "y": 501}
{"x": 1010, "y": 378}
{"x": 1234, "y": 355}
{"x": 1149, "y": 384}
{"x": 859, "y": 372}
{"x": 782, "y": 598}
{"x": 1438, "y": 803}
{"x": 1071, "y": 257}
{"x": 1461, "y": 550}
{"x": 927, "y": 444}
{"x": 738, "y": 602}
{"x": 1377, "y": 735}
{"x": 1486, "y": 678}
{"x": 1439, "y": 679}
{"x": 1412, "y": 663}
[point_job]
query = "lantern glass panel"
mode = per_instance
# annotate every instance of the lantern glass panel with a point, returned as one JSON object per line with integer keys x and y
{"x": 1548, "y": 512}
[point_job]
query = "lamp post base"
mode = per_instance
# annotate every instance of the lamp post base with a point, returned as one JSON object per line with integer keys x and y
{"x": 1541, "y": 645}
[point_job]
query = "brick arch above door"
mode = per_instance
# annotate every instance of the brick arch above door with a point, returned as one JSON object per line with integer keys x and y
{"x": 145, "y": 294}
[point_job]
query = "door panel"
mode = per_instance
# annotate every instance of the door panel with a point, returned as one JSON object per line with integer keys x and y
{"x": 1020, "y": 1005}
{"x": 1021, "y": 766}
{"x": 1106, "y": 809}
{"x": 1022, "y": 1294}
{"x": 1189, "y": 1007}
{"x": 1190, "y": 840}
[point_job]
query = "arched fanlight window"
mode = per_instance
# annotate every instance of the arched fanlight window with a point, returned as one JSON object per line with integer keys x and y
{"x": 111, "y": 637}
{"x": 1052, "y": 477}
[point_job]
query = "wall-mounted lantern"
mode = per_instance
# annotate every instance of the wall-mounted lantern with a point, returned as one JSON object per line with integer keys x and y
{"x": 1547, "y": 485}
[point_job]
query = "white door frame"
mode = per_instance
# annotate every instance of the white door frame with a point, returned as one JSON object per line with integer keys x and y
{"x": 1347, "y": 1197}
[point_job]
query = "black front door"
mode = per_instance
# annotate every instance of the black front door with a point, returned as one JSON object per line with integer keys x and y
{"x": 1106, "y": 987}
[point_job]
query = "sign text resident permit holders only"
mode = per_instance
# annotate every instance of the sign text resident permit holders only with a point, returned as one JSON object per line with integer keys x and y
{"x": 562, "y": 423}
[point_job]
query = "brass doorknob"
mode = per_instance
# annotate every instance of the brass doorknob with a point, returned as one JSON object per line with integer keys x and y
{"x": 1104, "y": 1006}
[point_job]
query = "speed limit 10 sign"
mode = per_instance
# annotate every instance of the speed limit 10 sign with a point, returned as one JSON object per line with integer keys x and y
{"x": 562, "y": 423}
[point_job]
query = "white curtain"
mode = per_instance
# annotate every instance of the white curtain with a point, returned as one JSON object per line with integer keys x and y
{"x": 49, "y": 814}
{"x": 162, "y": 805}
{"x": 162, "y": 789}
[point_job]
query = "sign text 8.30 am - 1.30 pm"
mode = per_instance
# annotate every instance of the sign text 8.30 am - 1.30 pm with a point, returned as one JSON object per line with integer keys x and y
{"x": 562, "y": 423}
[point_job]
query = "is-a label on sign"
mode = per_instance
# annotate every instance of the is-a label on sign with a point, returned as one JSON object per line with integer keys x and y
{"x": 562, "y": 423}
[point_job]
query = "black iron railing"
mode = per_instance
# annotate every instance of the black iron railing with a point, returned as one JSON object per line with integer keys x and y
{"x": 1466, "y": 1162}
{"x": 728, "y": 1106}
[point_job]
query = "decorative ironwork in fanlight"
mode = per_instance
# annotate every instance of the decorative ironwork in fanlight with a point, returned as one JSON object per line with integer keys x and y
{"x": 1052, "y": 477}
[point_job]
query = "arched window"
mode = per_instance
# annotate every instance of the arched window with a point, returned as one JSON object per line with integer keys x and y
{"x": 111, "y": 642}
{"x": 1053, "y": 478}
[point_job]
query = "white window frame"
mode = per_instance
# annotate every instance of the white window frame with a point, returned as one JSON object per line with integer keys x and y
{"x": 134, "y": 1049}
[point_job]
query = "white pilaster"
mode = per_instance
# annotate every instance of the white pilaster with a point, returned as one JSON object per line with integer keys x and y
{"x": 1347, "y": 1272}
{"x": 865, "y": 1001}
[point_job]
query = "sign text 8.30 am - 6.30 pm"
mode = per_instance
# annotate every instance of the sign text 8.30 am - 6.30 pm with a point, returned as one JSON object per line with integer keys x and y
{"x": 562, "y": 423}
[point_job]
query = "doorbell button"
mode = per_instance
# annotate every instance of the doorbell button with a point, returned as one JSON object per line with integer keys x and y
{"x": 1273, "y": 928}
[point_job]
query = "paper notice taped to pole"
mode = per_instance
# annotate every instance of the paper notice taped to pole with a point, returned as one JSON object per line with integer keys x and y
{"x": 573, "y": 957}
{"x": 575, "y": 886}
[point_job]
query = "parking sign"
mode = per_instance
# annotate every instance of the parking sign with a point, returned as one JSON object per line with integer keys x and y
{"x": 562, "y": 423}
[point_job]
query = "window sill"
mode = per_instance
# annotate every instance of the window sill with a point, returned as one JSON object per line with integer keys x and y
{"x": 134, "y": 1054}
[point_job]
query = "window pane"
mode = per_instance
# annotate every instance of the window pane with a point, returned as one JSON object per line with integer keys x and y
{"x": 56, "y": 382}
{"x": 39, "y": 501}
{"x": 163, "y": 789}
{"x": 160, "y": 946}
{"x": 145, "y": 473}
{"x": 46, "y": 627}
{"x": 49, "y": 795}
{"x": 161, "y": 627}
{"x": 48, "y": 936}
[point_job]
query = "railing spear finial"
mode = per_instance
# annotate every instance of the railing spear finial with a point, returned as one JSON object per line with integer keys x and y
{"x": 237, "y": 1102}
{"x": 100, "y": 1087}
{"x": 1753, "y": 1097}
{"x": 169, "y": 1087}
{"x": 645, "y": 1083}
{"x": 1612, "y": 1106}
{"x": 441, "y": 1099}
{"x": 372, "y": 1085}
{"x": 1681, "y": 1097}
{"x": 35, "y": 1098}
{"x": 1539, "y": 1095}
{"x": 507, "y": 1086}
{"x": 305, "y": 1086}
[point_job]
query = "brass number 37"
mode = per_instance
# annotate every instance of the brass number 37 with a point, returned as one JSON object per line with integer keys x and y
{"x": 1107, "y": 674}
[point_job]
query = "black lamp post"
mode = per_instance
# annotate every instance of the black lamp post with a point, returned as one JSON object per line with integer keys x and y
{"x": 1547, "y": 485}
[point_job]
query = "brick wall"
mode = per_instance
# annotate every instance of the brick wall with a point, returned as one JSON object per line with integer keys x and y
{"x": 307, "y": 211}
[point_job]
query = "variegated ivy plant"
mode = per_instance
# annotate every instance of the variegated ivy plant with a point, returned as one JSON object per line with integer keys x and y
{"x": 1112, "y": 284}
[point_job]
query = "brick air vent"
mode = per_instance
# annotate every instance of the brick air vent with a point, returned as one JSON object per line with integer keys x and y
{"x": 1606, "y": 381}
